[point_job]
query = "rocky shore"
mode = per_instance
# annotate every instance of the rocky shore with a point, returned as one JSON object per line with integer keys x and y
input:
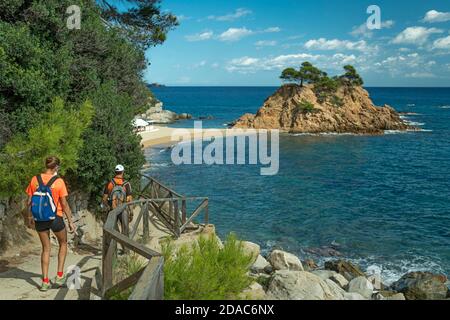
{"x": 297, "y": 109}
{"x": 282, "y": 276}
{"x": 158, "y": 115}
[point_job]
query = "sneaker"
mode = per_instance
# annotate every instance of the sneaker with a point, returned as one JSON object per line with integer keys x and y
{"x": 45, "y": 286}
{"x": 60, "y": 282}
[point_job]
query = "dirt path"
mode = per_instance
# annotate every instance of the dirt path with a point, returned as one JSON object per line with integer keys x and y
{"x": 20, "y": 273}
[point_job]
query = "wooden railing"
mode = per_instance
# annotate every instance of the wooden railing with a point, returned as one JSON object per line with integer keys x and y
{"x": 171, "y": 209}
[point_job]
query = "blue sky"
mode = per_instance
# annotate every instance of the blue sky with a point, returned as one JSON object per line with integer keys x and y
{"x": 233, "y": 42}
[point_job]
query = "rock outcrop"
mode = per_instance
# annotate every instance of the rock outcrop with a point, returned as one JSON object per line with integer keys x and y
{"x": 281, "y": 260}
{"x": 345, "y": 268}
{"x": 422, "y": 286}
{"x": 296, "y": 109}
{"x": 299, "y": 285}
{"x": 156, "y": 114}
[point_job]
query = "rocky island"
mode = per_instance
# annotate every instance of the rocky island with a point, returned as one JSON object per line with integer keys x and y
{"x": 323, "y": 105}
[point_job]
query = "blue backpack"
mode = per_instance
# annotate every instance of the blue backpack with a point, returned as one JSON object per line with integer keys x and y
{"x": 43, "y": 206}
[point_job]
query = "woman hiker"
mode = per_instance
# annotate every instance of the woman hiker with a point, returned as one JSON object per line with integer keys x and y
{"x": 47, "y": 204}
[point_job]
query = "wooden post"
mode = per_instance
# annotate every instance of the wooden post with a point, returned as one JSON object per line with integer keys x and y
{"x": 183, "y": 211}
{"x": 207, "y": 212}
{"x": 107, "y": 262}
{"x": 145, "y": 222}
{"x": 176, "y": 217}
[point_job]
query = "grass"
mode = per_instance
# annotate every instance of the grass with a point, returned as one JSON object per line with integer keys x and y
{"x": 123, "y": 268}
{"x": 206, "y": 271}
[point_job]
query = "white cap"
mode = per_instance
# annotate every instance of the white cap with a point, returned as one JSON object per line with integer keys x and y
{"x": 120, "y": 168}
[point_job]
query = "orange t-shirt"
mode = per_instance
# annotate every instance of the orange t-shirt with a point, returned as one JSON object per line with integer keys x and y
{"x": 59, "y": 190}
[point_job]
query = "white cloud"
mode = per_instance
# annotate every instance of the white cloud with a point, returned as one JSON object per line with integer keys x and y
{"x": 345, "y": 59}
{"x": 182, "y": 17}
{"x": 412, "y": 65}
{"x": 442, "y": 43}
{"x": 420, "y": 75}
{"x": 415, "y": 35}
{"x": 235, "y": 34}
{"x": 266, "y": 43}
{"x": 436, "y": 16}
{"x": 251, "y": 65}
{"x": 238, "y": 13}
{"x": 363, "y": 31}
{"x": 272, "y": 30}
{"x": 200, "y": 36}
{"x": 200, "y": 64}
{"x": 335, "y": 44}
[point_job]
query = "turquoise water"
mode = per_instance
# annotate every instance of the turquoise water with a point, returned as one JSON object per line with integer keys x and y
{"x": 383, "y": 199}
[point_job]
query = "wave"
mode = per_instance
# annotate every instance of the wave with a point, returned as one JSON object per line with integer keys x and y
{"x": 389, "y": 270}
{"x": 411, "y": 105}
{"x": 413, "y": 123}
{"x": 444, "y": 107}
{"x": 324, "y": 134}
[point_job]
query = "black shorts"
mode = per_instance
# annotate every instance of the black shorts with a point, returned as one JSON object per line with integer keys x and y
{"x": 56, "y": 225}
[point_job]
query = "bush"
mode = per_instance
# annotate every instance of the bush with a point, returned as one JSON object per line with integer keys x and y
{"x": 58, "y": 132}
{"x": 108, "y": 141}
{"x": 206, "y": 271}
{"x": 336, "y": 101}
{"x": 305, "y": 106}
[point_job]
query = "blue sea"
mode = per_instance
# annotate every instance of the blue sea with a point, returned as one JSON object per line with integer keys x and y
{"x": 382, "y": 201}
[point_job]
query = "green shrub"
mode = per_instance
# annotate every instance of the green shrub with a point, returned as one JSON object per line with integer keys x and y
{"x": 125, "y": 267}
{"x": 336, "y": 101}
{"x": 206, "y": 271}
{"x": 57, "y": 132}
{"x": 305, "y": 106}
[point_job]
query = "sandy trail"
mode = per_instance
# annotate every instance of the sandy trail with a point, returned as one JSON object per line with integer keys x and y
{"x": 20, "y": 273}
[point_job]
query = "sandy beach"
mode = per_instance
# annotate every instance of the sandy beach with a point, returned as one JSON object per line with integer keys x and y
{"x": 165, "y": 135}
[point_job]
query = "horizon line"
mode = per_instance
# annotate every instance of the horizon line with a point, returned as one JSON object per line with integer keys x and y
{"x": 272, "y": 86}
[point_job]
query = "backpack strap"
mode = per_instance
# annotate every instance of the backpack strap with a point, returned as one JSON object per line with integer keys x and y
{"x": 52, "y": 181}
{"x": 39, "y": 179}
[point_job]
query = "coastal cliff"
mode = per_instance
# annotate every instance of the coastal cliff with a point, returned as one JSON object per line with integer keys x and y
{"x": 298, "y": 109}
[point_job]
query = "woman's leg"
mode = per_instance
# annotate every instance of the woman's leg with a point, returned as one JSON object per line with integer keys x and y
{"x": 62, "y": 240}
{"x": 44, "y": 236}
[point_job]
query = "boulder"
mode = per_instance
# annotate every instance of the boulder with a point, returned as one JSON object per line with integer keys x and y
{"x": 389, "y": 295}
{"x": 251, "y": 249}
{"x": 309, "y": 265}
{"x": 362, "y": 286}
{"x": 353, "y": 296}
{"x": 345, "y": 268}
{"x": 254, "y": 292}
{"x": 340, "y": 280}
{"x": 422, "y": 286}
{"x": 184, "y": 116}
{"x": 260, "y": 265}
{"x": 281, "y": 260}
{"x": 338, "y": 292}
{"x": 298, "y": 285}
{"x": 324, "y": 274}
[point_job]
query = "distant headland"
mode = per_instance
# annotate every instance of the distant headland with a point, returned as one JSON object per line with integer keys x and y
{"x": 155, "y": 85}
